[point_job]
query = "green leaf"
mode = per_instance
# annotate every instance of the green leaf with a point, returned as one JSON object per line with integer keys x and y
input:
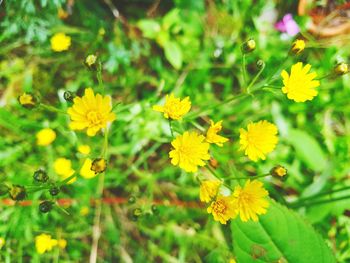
{"x": 173, "y": 54}
{"x": 149, "y": 28}
{"x": 281, "y": 235}
{"x": 308, "y": 149}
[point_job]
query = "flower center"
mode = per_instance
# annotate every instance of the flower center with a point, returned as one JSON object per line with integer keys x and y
{"x": 219, "y": 207}
{"x": 94, "y": 117}
{"x": 245, "y": 198}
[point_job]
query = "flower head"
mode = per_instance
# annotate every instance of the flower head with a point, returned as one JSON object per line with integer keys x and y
{"x": 60, "y": 42}
{"x": 300, "y": 85}
{"x": 84, "y": 149}
{"x": 223, "y": 209}
{"x": 174, "y": 108}
{"x": 63, "y": 167}
{"x": 287, "y": 25}
{"x": 189, "y": 151}
{"x": 212, "y": 136}
{"x": 278, "y": 171}
{"x": 27, "y": 100}
{"x": 44, "y": 243}
{"x": 258, "y": 140}
{"x": 208, "y": 190}
{"x": 341, "y": 69}
{"x": 298, "y": 46}
{"x": 250, "y": 200}
{"x": 86, "y": 171}
{"x": 90, "y": 60}
{"x": 91, "y": 112}
{"x": 17, "y": 192}
{"x": 45, "y": 137}
{"x": 99, "y": 165}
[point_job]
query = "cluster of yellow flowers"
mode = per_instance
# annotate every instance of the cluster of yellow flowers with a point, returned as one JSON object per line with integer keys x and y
{"x": 44, "y": 243}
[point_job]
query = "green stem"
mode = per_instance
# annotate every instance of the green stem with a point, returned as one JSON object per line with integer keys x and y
{"x": 320, "y": 202}
{"x": 213, "y": 172}
{"x": 322, "y": 194}
{"x": 255, "y": 78}
{"x": 245, "y": 178}
{"x": 244, "y": 71}
{"x": 171, "y": 129}
{"x": 99, "y": 78}
{"x": 51, "y": 108}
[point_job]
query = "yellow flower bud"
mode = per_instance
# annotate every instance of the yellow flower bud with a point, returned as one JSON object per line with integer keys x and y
{"x": 99, "y": 165}
{"x": 298, "y": 46}
{"x": 45, "y": 137}
{"x": 278, "y": 171}
{"x": 249, "y": 46}
{"x": 341, "y": 68}
{"x": 27, "y": 100}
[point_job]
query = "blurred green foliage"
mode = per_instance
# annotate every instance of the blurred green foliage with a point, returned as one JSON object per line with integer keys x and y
{"x": 191, "y": 48}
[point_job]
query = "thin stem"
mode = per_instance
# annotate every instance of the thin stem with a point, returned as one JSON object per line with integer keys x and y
{"x": 99, "y": 78}
{"x": 213, "y": 172}
{"x": 171, "y": 129}
{"x": 246, "y": 177}
{"x": 255, "y": 78}
{"x": 322, "y": 194}
{"x": 51, "y": 108}
{"x": 321, "y": 202}
{"x": 244, "y": 71}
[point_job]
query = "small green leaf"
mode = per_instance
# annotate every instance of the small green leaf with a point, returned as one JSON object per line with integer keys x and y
{"x": 308, "y": 149}
{"x": 173, "y": 54}
{"x": 281, "y": 235}
{"x": 149, "y": 28}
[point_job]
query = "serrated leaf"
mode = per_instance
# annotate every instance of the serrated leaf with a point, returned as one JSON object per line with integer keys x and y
{"x": 173, "y": 54}
{"x": 307, "y": 149}
{"x": 281, "y": 235}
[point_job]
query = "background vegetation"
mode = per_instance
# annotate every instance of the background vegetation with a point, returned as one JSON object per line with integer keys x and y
{"x": 148, "y": 49}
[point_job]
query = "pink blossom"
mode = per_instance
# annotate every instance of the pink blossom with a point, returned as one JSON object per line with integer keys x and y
{"x": 288, "y": 25}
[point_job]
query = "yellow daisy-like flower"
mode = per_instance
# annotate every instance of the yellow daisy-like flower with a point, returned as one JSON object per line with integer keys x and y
{"x": 44, "y": 243}
{"x": 84, "y": 149}
{"x": 298, "y": 46}
{"x": 27, "y": 100}
{"x": 63, "y": 167}
{"x": 86, "y": 171}
{"x": 212, "y": 136}
{"x": 174, "y": 108}
{"x": 250, "y": 200}
{"x": 45, "y": 137}
{"x": 258, "y": 140}
{"x": 60, "y": 42}
{"x": 62, "y": 243}
{"x": 223, "y": 209}
{"x": 300, "y": 85}
{"x": 91, "y": 112}
{"x": 208, "y": 190}
{"x": 189, "y": 151}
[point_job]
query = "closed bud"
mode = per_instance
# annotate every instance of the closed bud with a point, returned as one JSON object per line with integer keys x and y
{"x": 155, "y": 210}
{"x": 4, "y": 189}
{"x": 136, "y": 213}
{"x": 54, "y": 190}
{"x": 99, "y": 165}
{"x": 27, "y": 100}
{"x": 249, "y": 46}
{"x": 298, "y": 46}
{"x": 91, "y": 62}
{"x": 40, "y": 176}
{"x": 132, "y": 199}
{"x": 68, "y": 96}
{"x": 260, "y": 64}
{"x": 278, "y": 171}
{"x": 17, "y": 192}
{"x": 45, "y": 206}
{"x": 341, "y": 69}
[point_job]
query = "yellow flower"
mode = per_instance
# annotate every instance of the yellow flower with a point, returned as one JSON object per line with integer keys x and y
{"x": 99, "y": 165}
{"x": 208, "y": 190}
{"x": 27, "y": 100}
{"x": 62, "y": 14}
{"x": 60, "y": 42}
{"x": 45, "y": 137}
{"x": 86, "y": 171}
{"x": 62, "y": 243}
{"x": 223, "y": 209}
{"x": 278, "y": 171}
{"x": 250, "y": 200}
{"x": 90, "y": 60}
{"x": 212, "y": 136}
{"x": 174, "y": 108}
{"x": 91, "y": 112}
{"x": 84, "y": 211}
{"x": 298, "y": 46}
{"x": 84, "y": 149}
{"x": 2, "y": 242}
{"x": 44, "y": 243}
{"x": 63, "y": 167}
{"x": 189, "y": 151}
{"x": 300, "y": 85}
{"x": 258, "y": 140}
